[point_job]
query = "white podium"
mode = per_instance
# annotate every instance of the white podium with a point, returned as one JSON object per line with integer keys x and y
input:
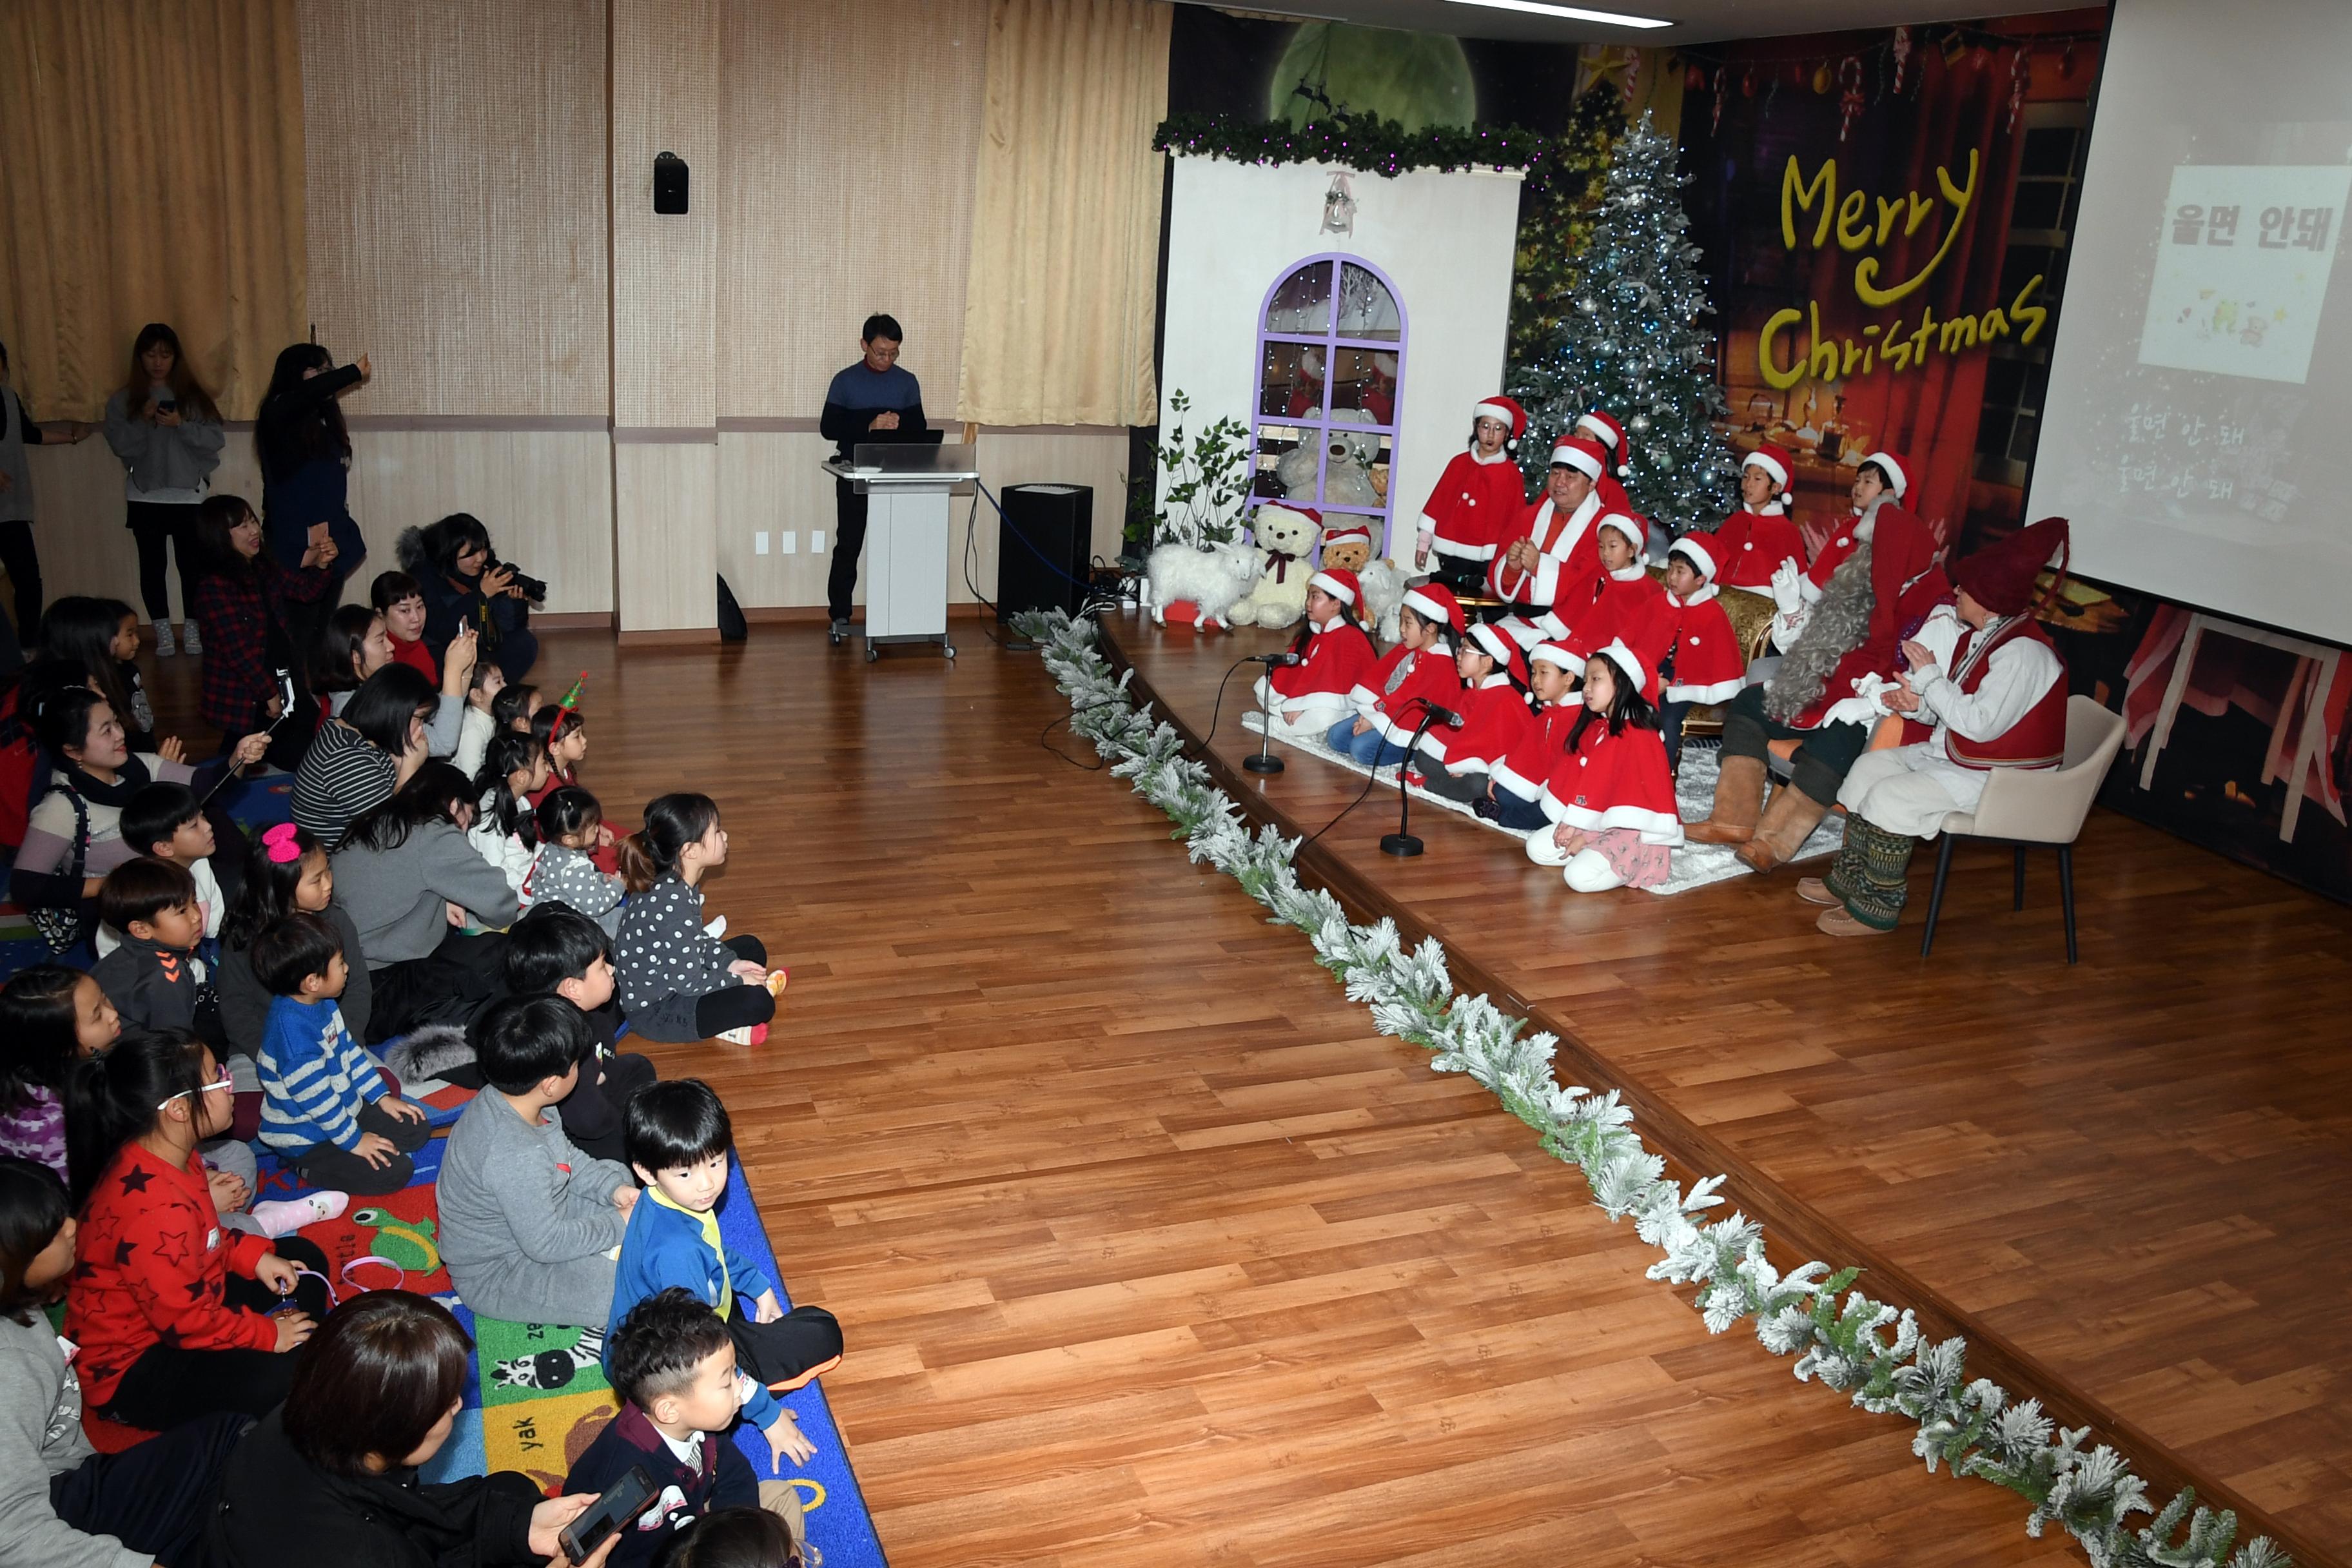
{"x": 907, "y": 489}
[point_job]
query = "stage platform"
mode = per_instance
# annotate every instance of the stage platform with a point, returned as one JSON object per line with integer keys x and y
{"x": 2120, "y": 1180}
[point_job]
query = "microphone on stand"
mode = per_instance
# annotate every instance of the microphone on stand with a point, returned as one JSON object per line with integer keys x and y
{"x": 1266, "y": 762}
{"x": 1274, "y": 660}
{"x": 1442, "y": 715}
{"x": 1401, "y": 843}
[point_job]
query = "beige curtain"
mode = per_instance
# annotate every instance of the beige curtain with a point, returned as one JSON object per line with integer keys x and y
{"x": 154, "y": 156}
{"x": 1065, "y": 232}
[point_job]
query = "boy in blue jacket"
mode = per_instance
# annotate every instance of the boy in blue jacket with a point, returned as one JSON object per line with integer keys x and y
{"x": 324, "y": 1106}
{"x": 678, "y": 1135}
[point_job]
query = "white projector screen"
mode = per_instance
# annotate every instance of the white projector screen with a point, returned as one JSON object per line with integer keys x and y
{"x": 2198, "y": 429}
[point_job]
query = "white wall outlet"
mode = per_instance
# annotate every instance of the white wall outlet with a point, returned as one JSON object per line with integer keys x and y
{"x": 759, "y": 542}
{"x": 816, "y": 541}
{"x": 788, "y": 543}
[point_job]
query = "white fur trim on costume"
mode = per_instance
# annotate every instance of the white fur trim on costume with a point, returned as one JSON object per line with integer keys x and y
{"x": 1654, "y": 826}
{"x": 1721, "y": 692}
{"x": 1506, "y": 778}
{"x": 1565, "y": 456}
{"x": 1628, "y": 662}
{"x": 1494, "y": 639}
{"x": 1428, "y": 609}
{"x": 1461, "y": 551}
{"x": 1634, "y": 533}
{"x": 1333, "y": 586}
{"x": 1770, "y": 465}
{"x": 1496, "y": 412}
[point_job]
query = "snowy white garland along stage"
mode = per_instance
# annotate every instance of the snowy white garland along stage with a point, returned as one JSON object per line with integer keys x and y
{"x": 1864, "y": 1348}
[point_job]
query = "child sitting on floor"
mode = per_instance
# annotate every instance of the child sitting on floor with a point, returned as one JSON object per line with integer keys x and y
{"x": 1454, "y": 764}
{"x": 1610, "y": 801}
{"x": 287, "y": 873}
{"x": 674, "y": 1367}
{"x": 326, "y": 1107}
{"x": 516, "y": 706}
{"x": 679, "y": 1139}
{"x": 530, "y": 1224}
{"x": 50, "y": 1017}
{"x": 476, "y": 725}
{"x": 514, "y": 765}
{"x": 1701, "y": 662}
{"x": 1388, "y": 702}
{"x": 175, "y": 1316}
{"x": 165, "y": 821}
{"x": 1514, "y": 793}
{"x": 571, "y": 829}
{"x": 154, "y": 978}
{"x": 556, "y": 951}
{"x": 1335, "y": 655}
{"x": 678, "y": 982}
{"x": 564, "y": 733}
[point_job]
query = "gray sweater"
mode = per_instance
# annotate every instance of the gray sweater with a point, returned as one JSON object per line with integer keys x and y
{"x": 528, "y": 1227}
{"x": 40, "y": 1437}
{"x": 398, "y": 898}
{"x": 162, "y": 457}
{"x": 245, "y": 1002}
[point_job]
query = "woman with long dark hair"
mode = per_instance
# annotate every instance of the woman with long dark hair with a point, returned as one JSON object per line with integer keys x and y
{"x": 306, "y": 457}
{"x": 466, "y": 589}
{"x": 357, "y": 759}
{"x": 103, "y": 635}
{"x": 246, "y": 597}
{"x": 166, "y": 428}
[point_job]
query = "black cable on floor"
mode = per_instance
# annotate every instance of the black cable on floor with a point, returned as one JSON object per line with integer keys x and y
{"x": 1370, "y": 779}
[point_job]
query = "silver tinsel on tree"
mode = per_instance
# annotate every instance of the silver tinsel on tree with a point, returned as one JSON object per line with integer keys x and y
{"x": 1632, "y": 347}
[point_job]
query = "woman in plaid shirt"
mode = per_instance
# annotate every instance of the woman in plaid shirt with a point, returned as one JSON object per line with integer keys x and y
{"x": 244, "y": 592}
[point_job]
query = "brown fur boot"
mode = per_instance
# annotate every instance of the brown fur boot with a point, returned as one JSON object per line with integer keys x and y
{"x": 1738, "y": 802}
{"x": 1787, "y": 822}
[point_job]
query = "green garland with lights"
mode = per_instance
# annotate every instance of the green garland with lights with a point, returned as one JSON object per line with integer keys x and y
{"x": 1365, "y": 142}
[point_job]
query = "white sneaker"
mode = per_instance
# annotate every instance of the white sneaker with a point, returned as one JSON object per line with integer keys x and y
{"x": 748, "y": 1035}
{"x": 164, "y": 646}
{"x": 717, "y": 929}
{"x": 190, "y": 643}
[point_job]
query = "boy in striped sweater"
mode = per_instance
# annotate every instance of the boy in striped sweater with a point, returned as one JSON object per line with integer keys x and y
{"x": 325, "y": 1106}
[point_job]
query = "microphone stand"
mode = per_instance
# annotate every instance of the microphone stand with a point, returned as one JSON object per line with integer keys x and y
{"x": 1266, "y": 762}
{"x": 1401, "y": 843}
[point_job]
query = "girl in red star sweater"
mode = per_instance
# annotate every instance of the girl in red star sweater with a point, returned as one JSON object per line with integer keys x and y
{"x": 172, "y": 1312}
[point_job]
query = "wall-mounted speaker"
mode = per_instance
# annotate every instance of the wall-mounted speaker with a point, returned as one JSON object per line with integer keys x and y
{"x": 669, "y": 184}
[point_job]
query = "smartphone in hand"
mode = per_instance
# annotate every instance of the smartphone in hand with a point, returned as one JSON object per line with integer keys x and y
{"x": 623, "y": 1502}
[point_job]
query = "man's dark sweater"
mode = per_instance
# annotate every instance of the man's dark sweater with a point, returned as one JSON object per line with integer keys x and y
{"x": 857, "y": 394}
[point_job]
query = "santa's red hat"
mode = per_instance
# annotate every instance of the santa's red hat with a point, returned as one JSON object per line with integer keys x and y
{"x": 1633, "y": 528}
{"x": 1309, "y": 513}
{"x": 1339, "y": 582}
{"x": 1507, "y": 410}
{"x": 1631, "y": 667}
{"x": 1612, "y": 434}
{"x": 1501, "y": 650}
{"x": 1557, "y": 655}
{"x": 1775, "y": 461}
{"x": 1334, "y": 532}
{"x": 1699, "y": 554}
{"x": 1887, "y": 463}
{"x": 2000, "y": 576}
{"x": 1435, "y": 602}
{"x": 1583, "y": 454}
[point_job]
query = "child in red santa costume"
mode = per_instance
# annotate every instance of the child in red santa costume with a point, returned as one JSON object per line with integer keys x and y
{"x": 1478, "y": 499}
{"x": 1751, "y": 544}
{"x": 1550, "y": 558}
{"x": 1514, "y": 797}
{"x": 1627, "y": 605}
{"x": 1610, "y": 802}
{"x": 1604, "y": 428}
{"x": 1701, "y": 663}
{"x": 1455, "y": 763}
{"x": 1982, "y": 671}
{"x": 1880, "y": 481}
{"x": 1387, "y": 701}
{"x": 1335, "y": 654}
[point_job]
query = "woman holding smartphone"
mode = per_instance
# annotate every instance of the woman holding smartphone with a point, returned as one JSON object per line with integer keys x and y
{"x": 306, "y": 459}
{"x": 166, "y": 429}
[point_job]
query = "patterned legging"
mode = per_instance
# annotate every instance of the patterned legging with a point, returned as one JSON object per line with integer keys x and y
{"x": 1869, "y": 875}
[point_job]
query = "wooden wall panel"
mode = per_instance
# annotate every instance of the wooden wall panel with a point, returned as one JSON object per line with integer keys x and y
{"x": 665, "y": 269}
{"x": 664, "y": 495}
{"x": 853, "y": 132}
{"x": 455, "y": 185}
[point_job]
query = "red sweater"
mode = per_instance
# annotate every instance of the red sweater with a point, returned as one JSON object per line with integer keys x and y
{"x": 153, "y": 1257}
{"x": 417, "y": 657}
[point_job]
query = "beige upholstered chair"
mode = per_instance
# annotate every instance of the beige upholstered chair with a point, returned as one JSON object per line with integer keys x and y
{"x": 2022, "y": 808}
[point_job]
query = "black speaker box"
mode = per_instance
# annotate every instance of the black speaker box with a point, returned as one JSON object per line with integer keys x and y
{"x": 670, "y": 184}
{"x": 1044, "y": 548}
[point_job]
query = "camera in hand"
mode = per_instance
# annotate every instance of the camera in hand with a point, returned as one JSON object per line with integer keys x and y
{"x": 533, "y": 588}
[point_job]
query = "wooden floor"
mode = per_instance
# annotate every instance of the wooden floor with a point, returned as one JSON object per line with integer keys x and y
{"x": 1150, "y": 1251}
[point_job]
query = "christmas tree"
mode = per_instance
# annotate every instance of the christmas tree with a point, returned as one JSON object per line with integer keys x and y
{"x": 1631, "y": 345}
{"x": 1556, "y": 210}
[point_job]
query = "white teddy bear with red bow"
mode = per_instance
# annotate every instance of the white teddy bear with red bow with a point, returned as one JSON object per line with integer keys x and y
{"x": 1285, "y": 536}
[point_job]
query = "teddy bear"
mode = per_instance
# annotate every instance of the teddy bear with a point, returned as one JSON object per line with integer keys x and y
{"x": 1348, "y": 472}
{"x": 1284, "y": 534}
{"x": 1348, "y": 546}
{"x": 1210, "y": 580}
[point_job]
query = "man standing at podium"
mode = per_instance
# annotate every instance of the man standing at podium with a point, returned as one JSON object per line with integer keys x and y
{"x": 874, "y": 400}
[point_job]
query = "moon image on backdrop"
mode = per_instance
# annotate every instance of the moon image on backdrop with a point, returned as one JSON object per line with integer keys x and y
{"x": 1417, "y": 80}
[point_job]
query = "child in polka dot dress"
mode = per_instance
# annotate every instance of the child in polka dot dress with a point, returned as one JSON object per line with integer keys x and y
{"x": 677, "y": 981}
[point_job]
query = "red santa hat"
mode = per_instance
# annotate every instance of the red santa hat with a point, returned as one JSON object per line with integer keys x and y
{"x": 1610, "y": 435}
{"x": 1586, "y": 456}
{"x": 1507, "y": 410}
{"x": 1775, "y": 461}
{"x": 1557, "y": 655}
{"x": 1336, "y": 532}
{"x": 1633, "y": 528}
{"x": 1501, "y": 650}
{"x": 2000, "y": 576}
{"x": 1632, "y": 668}
{"x": 1339, "y": 582}
{"x": 1699, "y": 554}
{"x": 1309, "y": 513}
{"x": 1887, "y": 463}
{"x": 1435, "y": 602}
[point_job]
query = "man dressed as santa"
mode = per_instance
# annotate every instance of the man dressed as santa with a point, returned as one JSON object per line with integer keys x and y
{"x": 1986, "y": 675}
{"x": 1555, "y": 552}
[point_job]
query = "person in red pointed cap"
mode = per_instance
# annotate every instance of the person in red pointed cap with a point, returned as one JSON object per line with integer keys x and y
{"x": 1982, "y": 671}
{"x": 1478, "y": 499}
{"x": 1610, "y": 801}
{"x": 1454, "y": 764}
{"x": 1335, "y": 654}
{"x": 1750, "y": 544}
{"x": 1699, "y": 661}
{"x": 1552, "y": 555}
{"x": 1389, "y": 700}
{"x": 1604, "y": 428}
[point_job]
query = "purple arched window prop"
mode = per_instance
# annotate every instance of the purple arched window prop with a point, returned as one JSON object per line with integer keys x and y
{"x": 1330, "y": 375}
